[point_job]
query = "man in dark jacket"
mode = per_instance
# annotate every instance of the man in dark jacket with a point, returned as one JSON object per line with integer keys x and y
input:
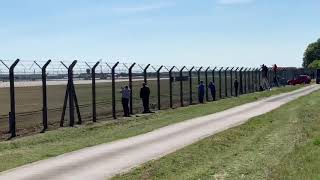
{"x": 212, "y": 88}
{"x": 265, "y": 81}
{"x": 144, "y": 95}
{"x": 201, "y": 91}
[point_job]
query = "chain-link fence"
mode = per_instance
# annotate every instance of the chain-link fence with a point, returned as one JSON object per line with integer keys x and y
{"x": 40, "y": 95}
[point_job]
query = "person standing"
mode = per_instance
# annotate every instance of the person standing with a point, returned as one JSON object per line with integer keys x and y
{"x": 275, "y": 78}
{"x": 265, "y": 82}
{"x": 236, "y": 87}
{"x": 201, "y": 91}
{"x": 126, "y": 93}
{"x": 212, "y": 88}
{"x": 145, "y": 95}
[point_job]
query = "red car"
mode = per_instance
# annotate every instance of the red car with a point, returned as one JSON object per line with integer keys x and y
{"x": 302, "y": 79}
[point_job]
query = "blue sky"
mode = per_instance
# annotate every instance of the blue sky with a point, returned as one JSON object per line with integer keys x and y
{"x": 189, "y": 32}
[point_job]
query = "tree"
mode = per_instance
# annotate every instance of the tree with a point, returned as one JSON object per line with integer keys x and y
{"x": 314, "y": 65}
{"x": 311, "y": 54}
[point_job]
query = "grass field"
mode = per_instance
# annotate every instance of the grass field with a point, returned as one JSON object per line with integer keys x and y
{"x": 282, "y": 144}
{"x": 41, "y": 146}
{"x": 29, "y": 102}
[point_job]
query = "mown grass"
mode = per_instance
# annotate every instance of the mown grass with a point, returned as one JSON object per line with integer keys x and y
{"x": 282, "y": 144}
{"x": 30, "y": 149}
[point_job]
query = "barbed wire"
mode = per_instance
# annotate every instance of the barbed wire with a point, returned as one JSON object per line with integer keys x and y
{"x": 57, "y": 70}
{"x": 56, "y": 67}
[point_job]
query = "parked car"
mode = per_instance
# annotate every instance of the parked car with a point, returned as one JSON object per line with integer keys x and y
{"x": 302, "y": 79}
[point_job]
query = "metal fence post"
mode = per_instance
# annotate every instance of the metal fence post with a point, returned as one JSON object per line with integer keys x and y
{"x": 181, "y": 86}
{"x": 249, "y": 79}
{"x": 213, "y": 80}
{"x": 231, "y": 81}
{"x": 206, "y": 77}
{"x": 245, "y": 80}
{"x": 145, "y": 73}
{"x": 170, "y": 86}
{"x": 71, "y": 93}
{"x": 220, "y": 84}
{"x": 130, "y": 86}
{"x": 44, "y": 95}
{"x": 93, "y": 90}
{"x": 158, "y": 87}
{"x": 114, "y": 113}
{"x": 12, "y": 113}
{"x": 256, "y": 79}
{"x": 94, "y": 101}
{"x": 253, "y": 80}
{"x": 199, "y": 76}
{"x": 213, "y": 74}
{"x": 259, "y": 77}
{"x": 226, "y": 82}
{"x": 12, "y": 99}
{"x": 190, "y": 85}
{"x": 241, "y": 80}
{"x": 236, "y": 76}
{"x": 236, "y": 73}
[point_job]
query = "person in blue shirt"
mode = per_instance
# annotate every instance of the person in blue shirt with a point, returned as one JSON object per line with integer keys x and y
{"x": 126, "y": 93}
{"x": 201, "y": 91}
{"x": 212, "y": 88}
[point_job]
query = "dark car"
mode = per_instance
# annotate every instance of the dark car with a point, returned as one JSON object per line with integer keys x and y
{"x": 302, "y": 79}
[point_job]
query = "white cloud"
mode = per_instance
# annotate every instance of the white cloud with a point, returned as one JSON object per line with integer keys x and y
{"x": 141, "y": 8}
{"x": 233, "y": 2}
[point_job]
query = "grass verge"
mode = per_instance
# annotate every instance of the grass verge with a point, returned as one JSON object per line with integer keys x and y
{"x": 30, "y": 149}
{"x": 282, "y": 144}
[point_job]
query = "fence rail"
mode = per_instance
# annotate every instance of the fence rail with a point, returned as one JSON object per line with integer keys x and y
{"x": 46, "y": 94}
